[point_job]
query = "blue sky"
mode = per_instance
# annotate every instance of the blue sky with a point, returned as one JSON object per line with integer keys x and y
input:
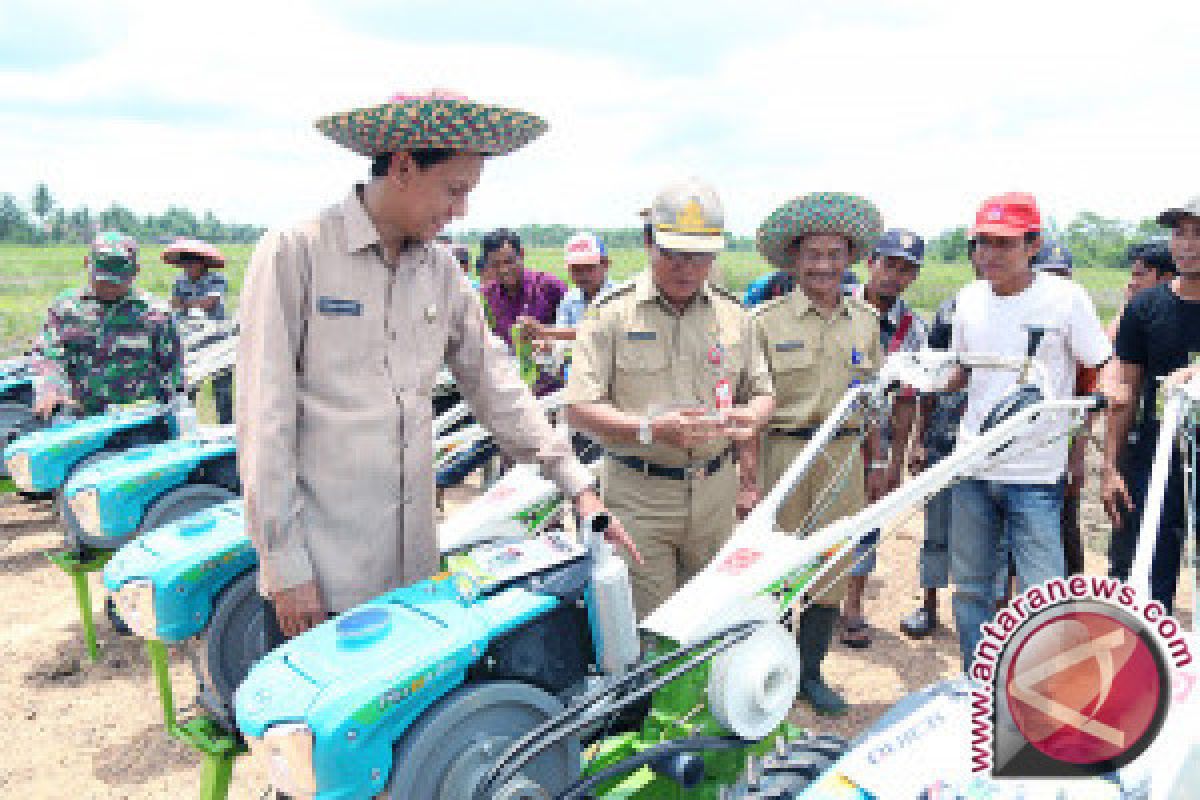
{"x": 925, "y": 106}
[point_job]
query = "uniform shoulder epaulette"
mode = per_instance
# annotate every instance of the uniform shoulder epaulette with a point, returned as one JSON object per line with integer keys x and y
{"x": 612, "y": 293}
{"x": 726, "y": 293}
{"x": 71, "y": 295}
{"x": 151, "y": 302}
{"x": 863, "y": 305}
{"x": 767, "y": 305}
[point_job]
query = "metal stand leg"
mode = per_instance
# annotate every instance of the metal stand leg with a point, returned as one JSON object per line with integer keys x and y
{"x": 157, "y": 651}
{"x": 83, "y": 596}
{"x": 79, "y": 567}
{"x": 216, "y": 774}
{"x": 219, "y": 747}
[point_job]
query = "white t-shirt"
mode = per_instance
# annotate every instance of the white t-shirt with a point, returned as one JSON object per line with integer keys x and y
{"x": 988, "y": 323}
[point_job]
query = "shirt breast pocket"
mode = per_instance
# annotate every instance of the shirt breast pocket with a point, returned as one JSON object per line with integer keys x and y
{"x": 338, "y": 339}
{"x": 75, "y": 336}
{"x": 640, "y": 373}
{"x": 795, "y": 372}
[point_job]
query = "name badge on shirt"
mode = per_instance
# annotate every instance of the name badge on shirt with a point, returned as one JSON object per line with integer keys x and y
{"x": 335, "y": 307}
{"x": 641, "y": 336}
{"x": 788, "y": 347}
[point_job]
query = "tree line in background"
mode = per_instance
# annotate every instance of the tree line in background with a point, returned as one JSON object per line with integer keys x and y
{"x": 43, "y": 221}
{"x": 1093, "y": 240}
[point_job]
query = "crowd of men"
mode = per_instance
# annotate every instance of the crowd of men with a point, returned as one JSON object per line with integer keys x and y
{"x": 700, "y": 399}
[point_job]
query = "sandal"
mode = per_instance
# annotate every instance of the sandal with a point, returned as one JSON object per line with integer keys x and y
{"x": 918, "y": 624}
{"x": 854, "y": 634}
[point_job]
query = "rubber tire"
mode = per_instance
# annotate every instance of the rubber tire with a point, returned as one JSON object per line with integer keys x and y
{"x": 234, "y": 641}
{"x": 14, "y": 419}
{"x": 786, "y": 779}
{"x": 183, "y": 501}
{"x": 73, "y": 535}
{"x": 505, "y": 709}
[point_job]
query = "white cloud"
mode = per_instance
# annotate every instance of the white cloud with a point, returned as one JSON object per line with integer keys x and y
{"x": 924, "y": 112}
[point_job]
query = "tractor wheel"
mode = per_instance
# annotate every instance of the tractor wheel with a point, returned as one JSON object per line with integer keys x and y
{"x": 447, "y": 752}
{"x": 183, "y": 501}
{"x": 234, "y": 641}
{"x": 786, "y": 772}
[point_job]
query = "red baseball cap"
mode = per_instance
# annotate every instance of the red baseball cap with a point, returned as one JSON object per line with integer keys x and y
{"x": 1011, "y": 214}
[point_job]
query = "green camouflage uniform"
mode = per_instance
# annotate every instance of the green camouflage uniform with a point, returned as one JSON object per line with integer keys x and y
{"x": 108, "y": 354}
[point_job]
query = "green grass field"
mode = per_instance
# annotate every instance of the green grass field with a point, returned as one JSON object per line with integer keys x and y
{"x": 30, "y": 277}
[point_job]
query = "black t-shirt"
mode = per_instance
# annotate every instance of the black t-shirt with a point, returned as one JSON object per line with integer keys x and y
{"x": 1160, "y": 332}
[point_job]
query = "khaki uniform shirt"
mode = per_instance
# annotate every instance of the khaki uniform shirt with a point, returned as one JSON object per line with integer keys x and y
{"x": 337, "y": 360}
{"x": 814, "y": 359}
{"x": 636, "y": 353}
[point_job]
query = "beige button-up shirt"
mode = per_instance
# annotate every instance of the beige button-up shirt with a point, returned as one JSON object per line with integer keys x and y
{"x": 337, "y": 360}
{"x": 635, "y": 352}
{"x": 814, "y": 358}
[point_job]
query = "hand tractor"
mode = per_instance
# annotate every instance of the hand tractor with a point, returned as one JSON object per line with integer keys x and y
{"x": 518, "y": 673}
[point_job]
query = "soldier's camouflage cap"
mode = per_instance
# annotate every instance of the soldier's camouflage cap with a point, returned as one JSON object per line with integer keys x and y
{"x": 112, "y": 257}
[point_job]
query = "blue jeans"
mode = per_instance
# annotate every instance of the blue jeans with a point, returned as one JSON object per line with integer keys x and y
{"x": 984, "y": 513}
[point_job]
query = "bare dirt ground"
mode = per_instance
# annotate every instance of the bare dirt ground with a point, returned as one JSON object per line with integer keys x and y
{"x": 73, "y": 729}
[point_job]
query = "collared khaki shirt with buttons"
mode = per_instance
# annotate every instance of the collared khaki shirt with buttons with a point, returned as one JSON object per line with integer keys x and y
{"x": 814, "y": 359}
{"x": 637, "y": 354}
{"x": 337, "y": 359}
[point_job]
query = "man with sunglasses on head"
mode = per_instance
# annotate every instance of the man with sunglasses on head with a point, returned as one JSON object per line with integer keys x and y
{"x": 666, "y": 375}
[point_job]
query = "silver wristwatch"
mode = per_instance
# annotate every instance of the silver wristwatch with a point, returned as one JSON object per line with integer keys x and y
{"x": 645, "y": 434}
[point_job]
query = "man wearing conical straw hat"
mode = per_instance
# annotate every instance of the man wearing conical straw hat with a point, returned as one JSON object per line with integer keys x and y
{"x": 346, "y": 321}
{"x": 818, "y": 342}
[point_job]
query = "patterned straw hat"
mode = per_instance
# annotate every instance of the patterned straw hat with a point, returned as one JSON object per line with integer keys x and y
{"x": 848, "y": 215}
{"x": 182, "y": 250}
{"x": 436, "y": 120}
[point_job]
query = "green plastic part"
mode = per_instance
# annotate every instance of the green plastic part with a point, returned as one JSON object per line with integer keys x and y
{"x": 679, "y": 710}
{"x": 523, "y": 348}
{"x": 7, "y": 486}
{"x": 78, "y": 567}
{"x": 219, "y": 748}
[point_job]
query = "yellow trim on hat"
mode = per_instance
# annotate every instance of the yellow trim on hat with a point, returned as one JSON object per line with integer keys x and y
{"x": 689, "y": 219}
